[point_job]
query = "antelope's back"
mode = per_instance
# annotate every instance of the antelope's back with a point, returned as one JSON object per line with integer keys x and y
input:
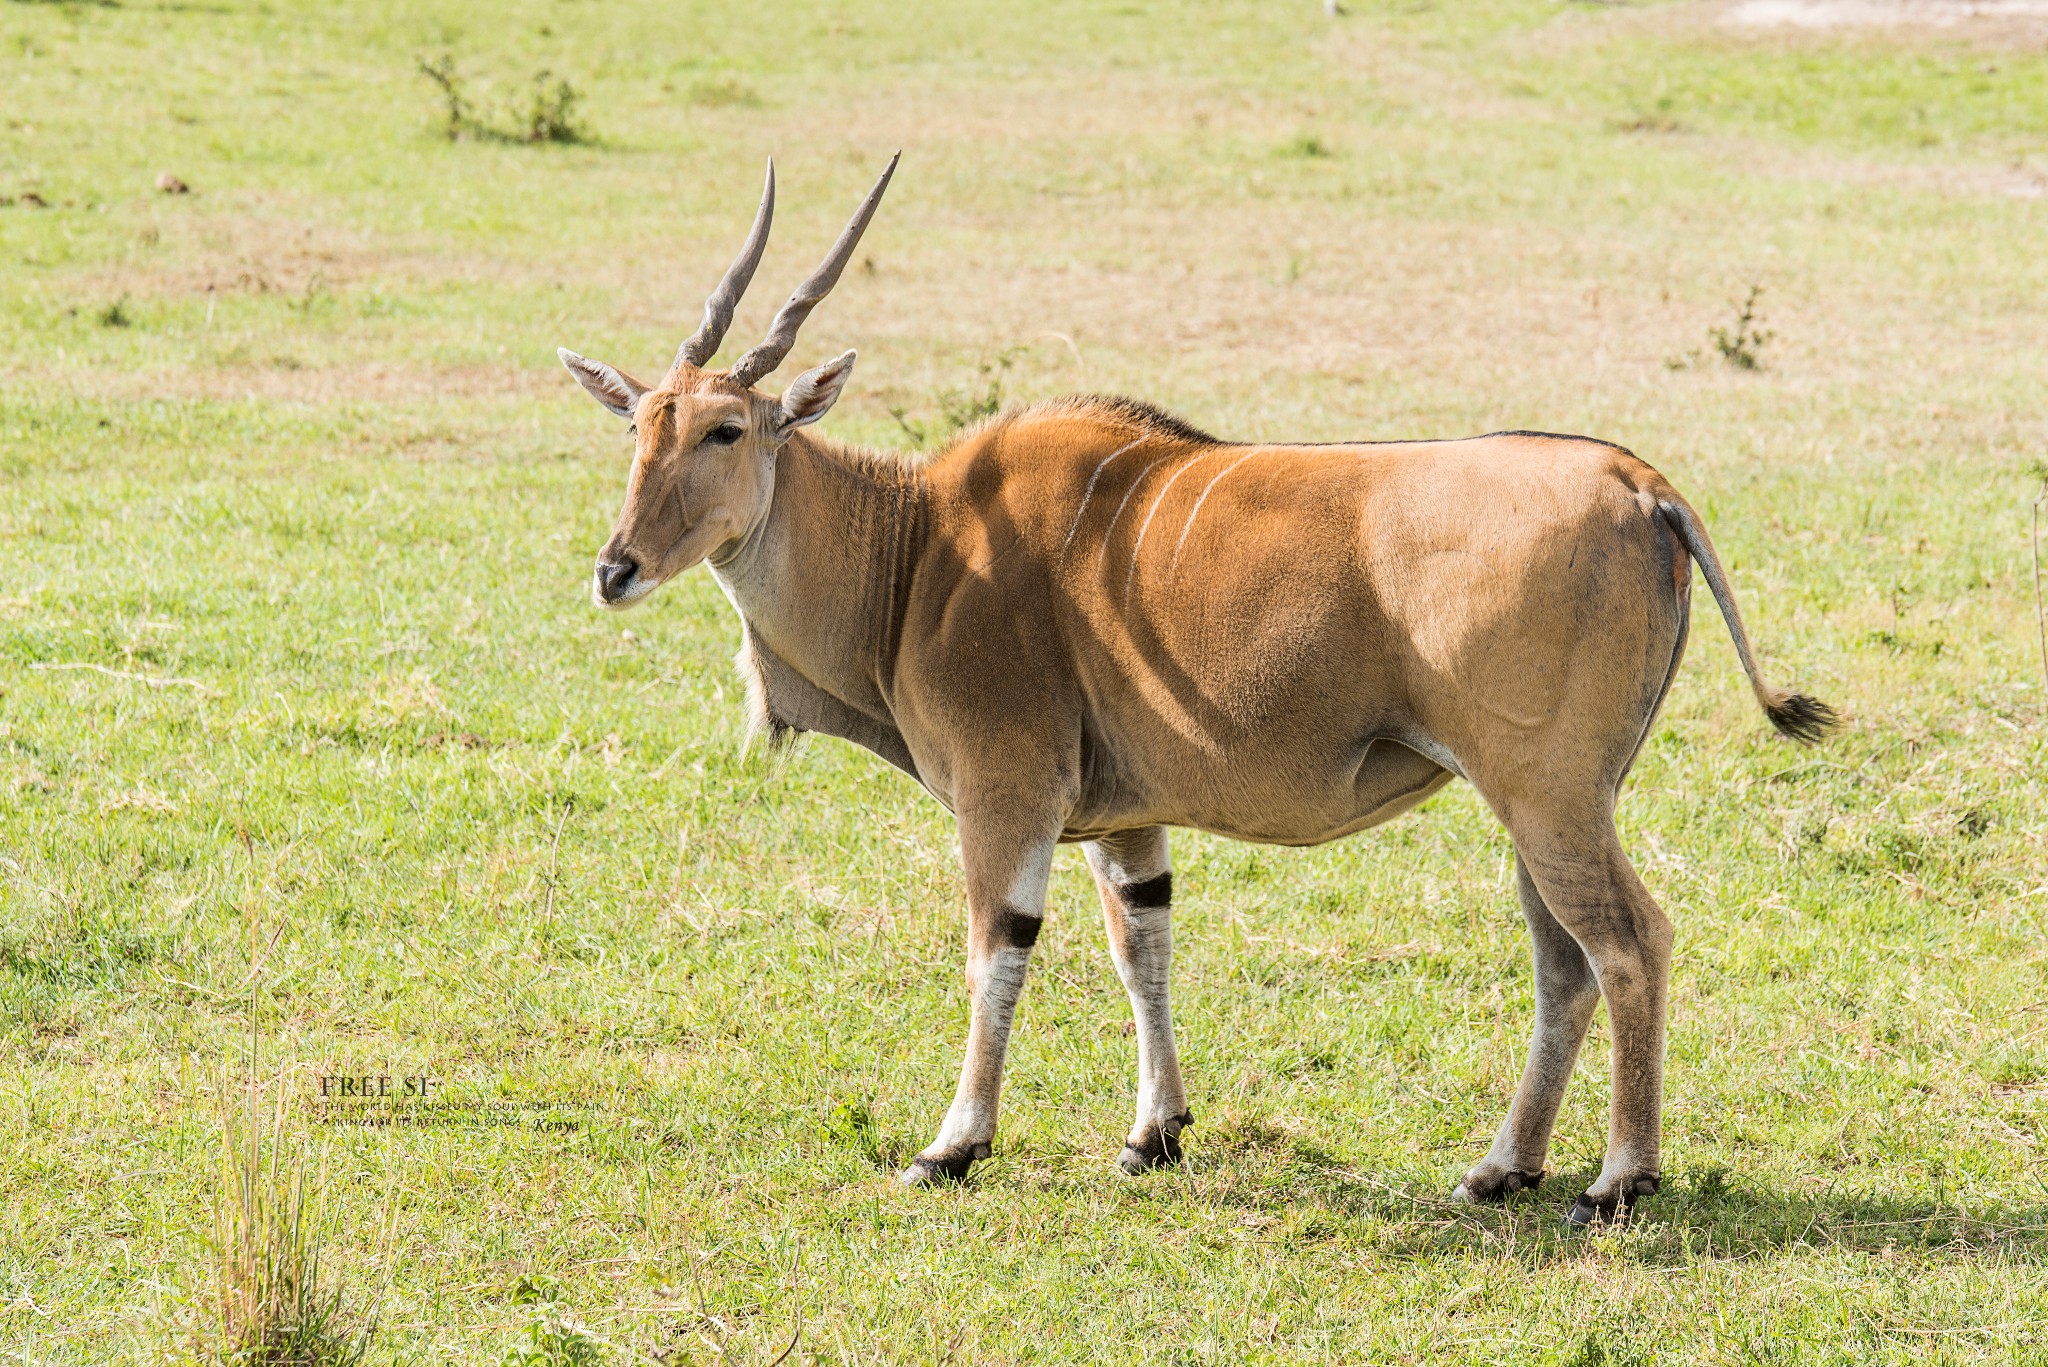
{"x": 1232, "y": 605}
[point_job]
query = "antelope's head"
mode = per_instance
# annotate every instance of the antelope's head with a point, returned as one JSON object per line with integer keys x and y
{"x": 705, "y": 440}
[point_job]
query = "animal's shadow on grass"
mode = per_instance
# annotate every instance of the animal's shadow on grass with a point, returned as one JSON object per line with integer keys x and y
{"x": 1697, "y": 1216}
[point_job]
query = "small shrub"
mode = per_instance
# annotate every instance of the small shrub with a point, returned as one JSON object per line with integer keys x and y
{"x": 918, "y": 433}
{"x": 116, "y": 315}
{"x": 442, "y": 73}
{"x": 1740, "y": 346}
{"x": 962, "y": 407}
{"x": 550, "y": 112}
{"x": 1306, "y": 145}
{"x": 546, "y": 114}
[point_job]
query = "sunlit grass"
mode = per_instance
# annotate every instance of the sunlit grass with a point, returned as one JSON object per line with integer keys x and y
{"x": 294, "y": 636}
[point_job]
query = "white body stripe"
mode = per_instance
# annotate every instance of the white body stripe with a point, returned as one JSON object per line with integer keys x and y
{"x": 1089, "y": 492}
{"x": 1150, "y": 513}
{"x": 1198, "y": 506}
{"x": 1102, "y": 556}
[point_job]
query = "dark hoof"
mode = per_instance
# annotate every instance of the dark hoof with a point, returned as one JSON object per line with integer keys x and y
{"x": 931, "y": 1169}
{"x": 1489, "y": 1191}
{"x": 1587, "y": 1212}
{"x": 1155, "y": 1148}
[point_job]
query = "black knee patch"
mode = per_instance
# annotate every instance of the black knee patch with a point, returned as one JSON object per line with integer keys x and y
{"x": 1014, "y": 930}
{"x": 1153, "y": 892}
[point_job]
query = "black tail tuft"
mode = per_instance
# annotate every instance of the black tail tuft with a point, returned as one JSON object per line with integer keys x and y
{"x": 1806, "y": 720}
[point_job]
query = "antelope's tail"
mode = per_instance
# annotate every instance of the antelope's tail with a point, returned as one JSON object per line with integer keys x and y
{"x": 1806, "y": 720}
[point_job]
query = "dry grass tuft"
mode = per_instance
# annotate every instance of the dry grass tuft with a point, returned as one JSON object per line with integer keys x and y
{"x": 274, "y": 1305}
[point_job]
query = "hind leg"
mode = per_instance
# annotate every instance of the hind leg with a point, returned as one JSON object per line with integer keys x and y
{"x": 1566, "y": 993}
{"x": 1578, "y": 866}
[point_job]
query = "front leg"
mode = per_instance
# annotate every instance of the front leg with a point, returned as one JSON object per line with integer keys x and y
{"x": 1134, "y": 875}
{"x": 1008, "y": 858}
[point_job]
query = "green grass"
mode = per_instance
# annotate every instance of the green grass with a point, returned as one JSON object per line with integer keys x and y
{"x": 1857, "y": 95}
{"x": 302, "y": 703}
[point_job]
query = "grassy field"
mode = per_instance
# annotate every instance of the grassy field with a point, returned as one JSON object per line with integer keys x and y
{"x": 307, "y": 728}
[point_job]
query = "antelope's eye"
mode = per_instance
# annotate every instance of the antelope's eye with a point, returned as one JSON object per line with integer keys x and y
{"x": 725, "y": 434}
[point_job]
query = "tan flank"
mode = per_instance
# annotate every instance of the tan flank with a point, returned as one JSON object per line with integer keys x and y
{"x": 1088, "y": 621}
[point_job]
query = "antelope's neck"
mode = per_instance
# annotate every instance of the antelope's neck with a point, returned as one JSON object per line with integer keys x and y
{"x": 821, "y": 584}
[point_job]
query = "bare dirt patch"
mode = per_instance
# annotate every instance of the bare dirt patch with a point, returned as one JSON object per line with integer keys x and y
{"x": 1866, "y": 14}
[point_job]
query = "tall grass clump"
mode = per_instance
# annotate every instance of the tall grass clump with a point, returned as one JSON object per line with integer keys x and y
{"x": 274, "y": 1304}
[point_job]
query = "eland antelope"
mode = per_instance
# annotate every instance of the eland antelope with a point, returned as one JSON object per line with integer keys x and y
{"x": 1088, "y": 622}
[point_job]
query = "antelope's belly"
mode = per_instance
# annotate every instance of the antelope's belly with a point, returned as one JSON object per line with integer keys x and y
{"x": 1283, "y": 795}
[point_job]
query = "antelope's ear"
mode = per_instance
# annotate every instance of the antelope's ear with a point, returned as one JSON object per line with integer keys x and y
{"x": 811, "y": 395}
{"x": 615, "y": 389}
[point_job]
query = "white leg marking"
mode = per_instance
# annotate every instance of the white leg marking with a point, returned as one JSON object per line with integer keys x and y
{"x": 1089, "y": 492}
{"x": 1141, "y": 944}
{"x": 1146, "y": 525}
{"x": 1147, "y": 976}
{"x": 1027, "y": 889}
{"x": 1147, "y": 863}
{"x": 1006, "y": 878}
{"x": 1198, "y": 508}
{"x": 971, "y": 1119}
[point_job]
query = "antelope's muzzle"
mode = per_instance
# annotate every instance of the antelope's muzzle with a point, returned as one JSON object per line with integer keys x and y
{"x": 613, "y": 581}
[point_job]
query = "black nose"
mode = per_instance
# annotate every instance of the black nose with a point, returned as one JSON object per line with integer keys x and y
{"x": 613, "y": 576}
